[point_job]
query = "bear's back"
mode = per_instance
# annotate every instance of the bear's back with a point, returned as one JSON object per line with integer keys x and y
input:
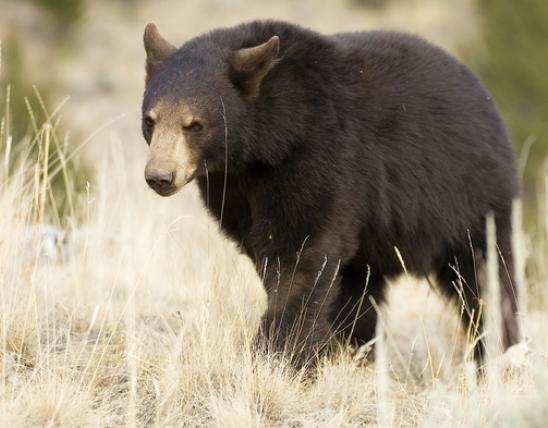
{"x": 443, "y": 155}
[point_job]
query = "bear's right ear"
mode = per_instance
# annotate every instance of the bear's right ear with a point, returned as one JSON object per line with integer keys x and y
{"x": 249, "y": 66}
{"x": 157, "y": 49}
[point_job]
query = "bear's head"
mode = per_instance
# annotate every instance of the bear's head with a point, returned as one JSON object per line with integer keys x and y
{"x": 193, "y": 95}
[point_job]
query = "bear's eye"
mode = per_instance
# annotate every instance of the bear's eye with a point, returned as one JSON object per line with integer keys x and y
{"x": 193, "y": 126}
{"x": 148, "y": 127}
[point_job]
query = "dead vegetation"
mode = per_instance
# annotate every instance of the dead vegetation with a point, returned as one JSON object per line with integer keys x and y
{"x": 148, "y": 318}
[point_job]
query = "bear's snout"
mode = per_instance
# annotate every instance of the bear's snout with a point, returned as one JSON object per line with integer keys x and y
{"x": 160, "y": 180}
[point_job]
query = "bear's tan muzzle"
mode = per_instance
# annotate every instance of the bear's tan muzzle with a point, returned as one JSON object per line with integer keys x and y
{"x": 170, "y": 163}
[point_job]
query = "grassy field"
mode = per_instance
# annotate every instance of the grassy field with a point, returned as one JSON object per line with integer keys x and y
{"x": 142, "y": 314}
{"x": 133, "y": 310}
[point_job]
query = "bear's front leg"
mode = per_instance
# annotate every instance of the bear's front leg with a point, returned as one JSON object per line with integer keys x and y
{"x": 296, "y": 324}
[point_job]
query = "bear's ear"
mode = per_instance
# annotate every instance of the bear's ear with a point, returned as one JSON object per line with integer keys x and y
{"x": 157, "y": 49}
{"x": 249, "y": 66}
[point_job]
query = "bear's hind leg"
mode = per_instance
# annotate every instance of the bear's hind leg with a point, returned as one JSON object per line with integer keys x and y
{"x": 458, "y": 277}
{"x": 508, "y": 286}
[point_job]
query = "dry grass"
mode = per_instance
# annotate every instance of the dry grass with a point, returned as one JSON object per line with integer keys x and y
{"x": 148, "y": 320}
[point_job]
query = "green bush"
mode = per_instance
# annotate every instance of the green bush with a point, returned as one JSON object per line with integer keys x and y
{"x": 66, "y": 12}
{"x": 513, "y": 63}
{"x": 24, "y": 110}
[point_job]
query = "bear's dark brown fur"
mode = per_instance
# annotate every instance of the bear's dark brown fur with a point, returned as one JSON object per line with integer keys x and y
{"x": 326, "y": 156}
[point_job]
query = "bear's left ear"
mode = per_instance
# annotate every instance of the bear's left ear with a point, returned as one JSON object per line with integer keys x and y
{"x": 157, "y": 49}
{"x": 249, "y": 66}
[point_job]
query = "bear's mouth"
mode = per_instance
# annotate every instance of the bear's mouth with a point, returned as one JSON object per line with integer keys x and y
{"x": 167, "y": 192}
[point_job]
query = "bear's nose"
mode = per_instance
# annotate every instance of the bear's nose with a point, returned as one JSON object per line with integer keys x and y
{"x": 159, "y": 179}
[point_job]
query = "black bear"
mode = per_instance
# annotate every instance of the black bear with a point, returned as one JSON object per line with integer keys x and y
{"x": 330, "y": 160}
